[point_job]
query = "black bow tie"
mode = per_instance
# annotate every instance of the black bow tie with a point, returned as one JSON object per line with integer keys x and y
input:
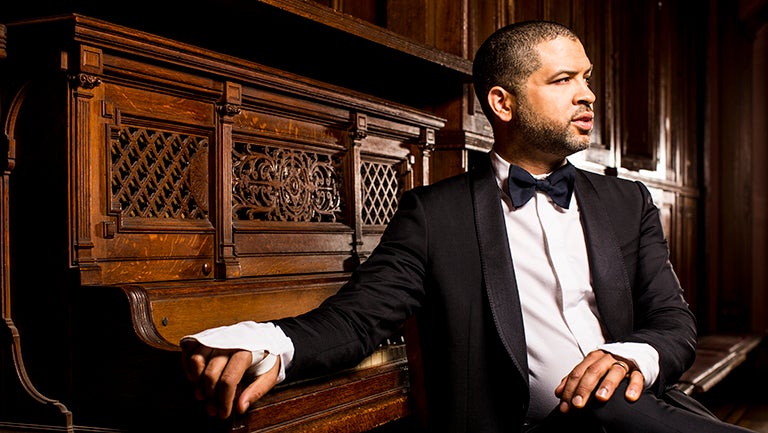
{"x": 559, "y": 185}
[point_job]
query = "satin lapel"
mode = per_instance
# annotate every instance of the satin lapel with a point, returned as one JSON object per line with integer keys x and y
{"x": 609, "y": 279}
{"x": 497, "y": 267}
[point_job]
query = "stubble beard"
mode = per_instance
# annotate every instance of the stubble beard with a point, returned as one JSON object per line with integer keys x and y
{"x": 547, "y": 136}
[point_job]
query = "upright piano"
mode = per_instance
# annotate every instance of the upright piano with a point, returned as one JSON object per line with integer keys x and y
{"x": 153, "y": 188}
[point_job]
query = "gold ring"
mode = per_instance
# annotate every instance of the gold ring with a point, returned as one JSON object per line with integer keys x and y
{"x": 622, "y": 365}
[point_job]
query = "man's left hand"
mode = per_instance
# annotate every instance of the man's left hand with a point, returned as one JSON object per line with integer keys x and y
{"x": 599, "y": 373}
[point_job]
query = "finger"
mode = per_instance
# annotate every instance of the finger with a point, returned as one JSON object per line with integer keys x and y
{"x": 188, "y": 348}
{"x": 209, "y": 380}
{"x": 567, "y": 388}
{"x": 258, "y": 388}
{"x": 587, "y": 384}
{"x": 635, "y": 387}
{"x": 230, "y": 378}
{"x": 616, "y": 373}
{"x": 584, "y": 379}
{"x": 195, "y": 361}
{"x": 570, "y": 382}
{"x": 561, "y": 387}
{"x": 196, "y": 364}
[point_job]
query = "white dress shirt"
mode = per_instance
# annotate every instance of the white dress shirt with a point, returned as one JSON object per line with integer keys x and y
{"x": 560, "y": 314}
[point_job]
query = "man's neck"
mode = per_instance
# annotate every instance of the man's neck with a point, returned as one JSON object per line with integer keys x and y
{"x": 535, "y": 165}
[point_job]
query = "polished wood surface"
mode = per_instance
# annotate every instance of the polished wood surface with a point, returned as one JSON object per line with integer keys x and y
{"x": 193, "y": 189}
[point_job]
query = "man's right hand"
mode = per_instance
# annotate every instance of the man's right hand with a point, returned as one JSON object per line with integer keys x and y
{"x": 216, "y": 374}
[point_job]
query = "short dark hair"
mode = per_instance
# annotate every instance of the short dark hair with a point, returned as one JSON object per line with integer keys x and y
{"x": 508, "y": 57}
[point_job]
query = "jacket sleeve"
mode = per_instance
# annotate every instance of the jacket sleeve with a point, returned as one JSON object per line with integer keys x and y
{"x": 379, "y": 296}
{"x": 662, "y": 317}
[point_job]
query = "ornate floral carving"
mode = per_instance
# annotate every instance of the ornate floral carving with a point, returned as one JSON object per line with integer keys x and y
{"x": 85, "y": 81}
{"x": 229, "y": 109}
{"x": 282, "y": 184}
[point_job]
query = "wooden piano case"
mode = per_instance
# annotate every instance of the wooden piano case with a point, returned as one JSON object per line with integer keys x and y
{"x": 152, "y": 189}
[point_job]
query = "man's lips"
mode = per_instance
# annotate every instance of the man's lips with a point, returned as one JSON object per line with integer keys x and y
{"x": 584, "y": 121}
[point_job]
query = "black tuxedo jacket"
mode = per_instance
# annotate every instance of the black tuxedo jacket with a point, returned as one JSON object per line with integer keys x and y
{"x": 445, "y": 257}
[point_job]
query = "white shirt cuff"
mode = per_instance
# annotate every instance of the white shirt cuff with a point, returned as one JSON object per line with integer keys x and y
{"x": 258, "y": 338}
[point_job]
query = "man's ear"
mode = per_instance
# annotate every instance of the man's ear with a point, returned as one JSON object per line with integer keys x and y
{"x": 501, "y": 103}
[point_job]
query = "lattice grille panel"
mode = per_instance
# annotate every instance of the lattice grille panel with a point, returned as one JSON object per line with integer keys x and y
{"x": 380, "y": 192}
{"x": 159, "y": 174}
{"x": 280, "y": 184}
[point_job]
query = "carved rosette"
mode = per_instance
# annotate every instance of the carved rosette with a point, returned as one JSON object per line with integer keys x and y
{"x": 85, "y": 81}
{"x": 229, "y": 110}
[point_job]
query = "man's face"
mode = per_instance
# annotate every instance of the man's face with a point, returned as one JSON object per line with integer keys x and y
{"x": 554, "y": 111}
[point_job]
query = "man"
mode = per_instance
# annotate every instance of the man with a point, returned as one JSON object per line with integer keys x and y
{"x": 539, "y": 309}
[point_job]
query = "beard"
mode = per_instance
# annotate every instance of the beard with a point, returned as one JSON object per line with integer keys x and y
{"x": 546, "y": 135}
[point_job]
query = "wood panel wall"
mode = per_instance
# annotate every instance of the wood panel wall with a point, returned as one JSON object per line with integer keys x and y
{"x": 664, "y": 71}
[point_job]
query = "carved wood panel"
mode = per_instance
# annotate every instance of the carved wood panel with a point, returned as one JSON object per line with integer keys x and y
{"x": 198, "y": 190}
